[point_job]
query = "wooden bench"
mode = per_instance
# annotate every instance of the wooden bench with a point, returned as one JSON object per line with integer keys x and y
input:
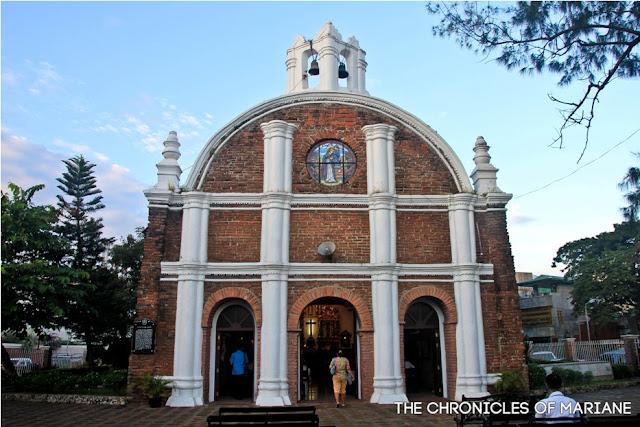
{"x": 265, "y": 415}
{"x": 475, "y": 417}
{"x": 519, "y": 419}
{"x": 615, "y": 420}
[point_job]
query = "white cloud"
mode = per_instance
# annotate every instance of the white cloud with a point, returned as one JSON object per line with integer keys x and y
{"x": 76, "y": 148}
{"x": 189, "y": 120}
{"x": 101, "y": 157}
{"x": 45, "y": 79}
{"x": 10, "y": 77}
{"x": 125, "y": 203}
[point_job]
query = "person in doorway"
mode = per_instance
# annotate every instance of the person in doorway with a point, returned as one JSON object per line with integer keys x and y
{"x": 238, "y": 362}
{"x": 340, "y": 370}
{"x": 557, "y": 405}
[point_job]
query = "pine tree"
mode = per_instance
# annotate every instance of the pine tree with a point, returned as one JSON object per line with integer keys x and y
{"x": 81, "y": 200}
{"x": 84, "y": 232}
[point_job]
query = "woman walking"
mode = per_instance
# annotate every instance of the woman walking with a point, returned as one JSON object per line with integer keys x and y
{"x": 340, "y": 370}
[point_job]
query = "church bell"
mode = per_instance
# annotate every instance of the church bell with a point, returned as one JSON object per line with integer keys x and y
{"x": 342, "y": 71}
{"x": 314, "y": 70}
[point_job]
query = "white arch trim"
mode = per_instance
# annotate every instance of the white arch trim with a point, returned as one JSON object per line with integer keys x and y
{"x": 431, "y": 137}
{"x": 443, "y": 350}
{"x": 213, "y": 342}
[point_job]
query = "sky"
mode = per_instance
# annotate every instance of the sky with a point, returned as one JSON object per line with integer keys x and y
{"x": 109, "y": 80}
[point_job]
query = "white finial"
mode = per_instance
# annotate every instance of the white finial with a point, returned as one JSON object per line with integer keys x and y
{"x": 484, "y": 176}
{"x": 169, "y": 170}
{"x": 482, "y": 151}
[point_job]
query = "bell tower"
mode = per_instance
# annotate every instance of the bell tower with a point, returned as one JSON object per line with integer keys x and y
{"x": 335, "y": 59}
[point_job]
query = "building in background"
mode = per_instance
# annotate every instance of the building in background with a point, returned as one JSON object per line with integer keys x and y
{"x": 548, "y": 313}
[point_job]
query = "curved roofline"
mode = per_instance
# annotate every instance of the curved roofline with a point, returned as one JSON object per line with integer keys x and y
{"x": 431, "y": 137}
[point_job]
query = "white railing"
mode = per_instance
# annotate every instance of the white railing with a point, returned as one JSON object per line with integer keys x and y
{"x": 67, "y": 360}
{"x": 542, "y": 349}
{"x": 607, "y": 350}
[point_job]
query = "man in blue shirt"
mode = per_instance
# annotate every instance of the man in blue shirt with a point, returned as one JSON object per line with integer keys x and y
{"x": 238, "y": 361}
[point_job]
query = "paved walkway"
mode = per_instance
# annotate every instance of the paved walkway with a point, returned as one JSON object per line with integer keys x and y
{"x": 356, "y": 413}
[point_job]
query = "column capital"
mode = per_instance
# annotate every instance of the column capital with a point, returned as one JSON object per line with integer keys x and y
{"x": 277, "y": 200}
{"x": 278, "y": 128}
{"x": 379, "y": 130}
{"x": 195, "y": 199}
{"x": 382, "y": 201}
{"x": 467, "y": 271}
{"x": 464, "y": 201}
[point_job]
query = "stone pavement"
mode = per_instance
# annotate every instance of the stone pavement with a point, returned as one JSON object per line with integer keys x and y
{"x": 21, "y": 413}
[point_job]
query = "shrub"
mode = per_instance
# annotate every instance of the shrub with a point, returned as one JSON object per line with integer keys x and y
{"x": 621, "y": 371}
{"x": 537, "y": 375}
{"x": 511, "y": 382}
{"x": 73, "y": 381}
{"x": 570, "y": 377}
{"x": 116, "y": 380}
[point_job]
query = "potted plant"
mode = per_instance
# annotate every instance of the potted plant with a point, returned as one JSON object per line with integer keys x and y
{"x": 153, "y": 387}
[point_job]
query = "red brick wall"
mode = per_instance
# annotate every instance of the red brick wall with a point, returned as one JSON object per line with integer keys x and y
{"x": 149, "y": 298}
{"x": 423, "y": 237}
{"x": 238, "y": 167}
{"x": 500, "y": 301}
{"x": 173, "y": 236}
{"x": 349, "y": 230}
{"x": 234, "y": 236}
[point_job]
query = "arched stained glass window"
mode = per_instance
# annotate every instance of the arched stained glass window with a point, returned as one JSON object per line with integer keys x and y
{"x": 331, "y": 162}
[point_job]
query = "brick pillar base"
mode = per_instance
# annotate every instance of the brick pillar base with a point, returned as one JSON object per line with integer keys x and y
{"x": 631, "y": 351}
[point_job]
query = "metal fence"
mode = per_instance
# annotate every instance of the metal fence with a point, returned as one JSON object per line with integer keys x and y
{"x": 27, "y": 360}
{"x": 67, "y": 360}
{"x": 606, "y": 350}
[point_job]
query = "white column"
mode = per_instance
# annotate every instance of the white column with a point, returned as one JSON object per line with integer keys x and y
{"x": 471, "y": 356}
{"x": 273, "y": 388}
{"x": 387, "y": 377}
{"x": 328, "y": 62}
{"x": 187, "y": 363}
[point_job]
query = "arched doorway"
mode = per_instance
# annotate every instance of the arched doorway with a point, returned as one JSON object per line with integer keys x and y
{"x": 234, "y": 326}
{"x": 422, "y": 348}
{"x": 327, "y": 324}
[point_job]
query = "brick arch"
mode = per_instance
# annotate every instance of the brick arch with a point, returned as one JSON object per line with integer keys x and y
{"x": 366, "y": 321}
{"x": 447, "y": 302}
{"x": 231, "y": 292}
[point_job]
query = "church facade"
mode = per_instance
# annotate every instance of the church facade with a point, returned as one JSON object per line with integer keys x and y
{"x": 328, "y": 219}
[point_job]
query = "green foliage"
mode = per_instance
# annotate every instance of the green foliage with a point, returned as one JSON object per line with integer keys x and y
{"x": 593, "y": 43}
{"x": 511, "y": 382}
{"x": 74, "y": 381}
{"x": 150, "y": 385}
{"x": 37, "y": 288}
{"x": 537, "y": 375}
{"x": 631, "y": 181}
{"x": 621, "y": 371}
{"x": 116, "y": 380}
{"x": 126, "y": 256}
{"x": 571, "y": 378}
{"x": 606, "y": 270}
